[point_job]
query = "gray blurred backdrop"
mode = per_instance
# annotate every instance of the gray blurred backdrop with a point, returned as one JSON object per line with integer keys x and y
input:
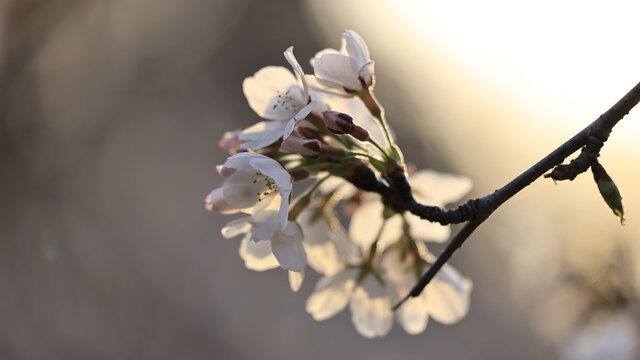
{"x": 110, "y": 112}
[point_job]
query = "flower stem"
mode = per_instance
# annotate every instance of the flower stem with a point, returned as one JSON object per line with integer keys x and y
{"x": 374, "y": 245}
{"x": 372, "y": 103}
{"x": 384, "y": 153}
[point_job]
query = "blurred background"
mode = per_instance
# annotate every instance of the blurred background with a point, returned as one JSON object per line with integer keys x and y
{"x": 110, "y": 112}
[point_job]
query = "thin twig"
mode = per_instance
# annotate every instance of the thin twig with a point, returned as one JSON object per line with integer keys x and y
{"x": 485, "y": 206}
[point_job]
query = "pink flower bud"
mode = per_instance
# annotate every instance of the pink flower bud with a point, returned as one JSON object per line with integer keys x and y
{"x": 230, "y": 142}
{"x": 359, "y": 133}
{"x": 331, "y": 151}
{"x": 337, "y": 122}
{"x": 299, "y": 174}
{"x": 308, "y": 148}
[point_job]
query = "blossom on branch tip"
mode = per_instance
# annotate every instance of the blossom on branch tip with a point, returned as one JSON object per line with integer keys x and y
{"x": 279, "y": 96}
{"x": 349, "y": 69}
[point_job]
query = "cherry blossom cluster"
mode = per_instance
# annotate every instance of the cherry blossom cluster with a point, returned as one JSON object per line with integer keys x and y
{"x": 322, "y": 131}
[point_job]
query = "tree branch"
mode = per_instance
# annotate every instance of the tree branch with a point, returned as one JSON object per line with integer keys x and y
{"x": 591, "y": 138}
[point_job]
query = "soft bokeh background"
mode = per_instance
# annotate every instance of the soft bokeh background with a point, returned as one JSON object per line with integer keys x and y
{"x": 110, "y": 113}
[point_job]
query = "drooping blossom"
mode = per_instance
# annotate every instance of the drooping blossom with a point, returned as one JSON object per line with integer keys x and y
{"x": 278, "y": 96}
{"x": 368, "y": 301}
{"x": 445, "y": 299}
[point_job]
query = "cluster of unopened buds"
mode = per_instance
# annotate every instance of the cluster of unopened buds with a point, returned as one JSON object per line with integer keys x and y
{"x": 327, "y": 132}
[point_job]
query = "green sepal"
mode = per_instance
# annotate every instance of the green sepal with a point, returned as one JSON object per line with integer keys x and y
{"x": 388, "y": 213}
{"x": 378, "y": 165}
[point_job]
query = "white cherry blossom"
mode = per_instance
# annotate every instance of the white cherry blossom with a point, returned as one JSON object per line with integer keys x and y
{"x": 368, "y": 301}
{"x": 348, "y": 70}
{"x": 254, "y": 184}
{"x": 279, "y": 96}
{"x": 445, "y": 298}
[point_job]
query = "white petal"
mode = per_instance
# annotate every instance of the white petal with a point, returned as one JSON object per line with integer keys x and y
{"x": 268, "y": 202}
{"x": 306, "y": 110}
{"x": 347, "y": 251}
{"x": 241, "y": 160}
{"x": 295, "y": 280}
{"x": 283, "y": 213}
{"x": 344, "y": 188}
{"x": 322, "y": 52}
{"x": 288, "y": 249}
{"x": 426, "y": 230}
{"x": 291, "y": 59}
{"x": 392, "y": 231}
{"x": 370, "y": 310}
{"x": 327, "y": 245}
{"x": 264, "y": 224}
{"x": 257, "y": 256}
{"x": 281, "y": 177}
{"x": 447, "y": 296}
{"x": 396, "y": 269}
{"x": 366, "y": 222}
{"x": 236, "y": 227}
{"x": 322, "y": 86}
{"x": 331, "y": 294}
{"x": 215, "y": 202}
{"x": 413, "y": 315}
{"x": 338, "y": 69}
{"x": 318, "y": 98}
{"x": 439, "y": 188}
{"x": 262, "y": 134}
{"x": 240, "y": 191}
{"x": 271, "y": 168}
{"x": 355, "y": 46}
{"x": 262, "y": 90}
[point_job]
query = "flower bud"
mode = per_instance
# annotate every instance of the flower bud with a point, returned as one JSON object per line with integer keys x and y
{"x": 608, "y": 190}
{"x": 230, "y": 142}
{"x": 359, "y": 133}
{"x": 299, "y": 174}
{"x": 337, "y": 122}
{"x": 331, "y": 151}
{"x": 307, "y": 148}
